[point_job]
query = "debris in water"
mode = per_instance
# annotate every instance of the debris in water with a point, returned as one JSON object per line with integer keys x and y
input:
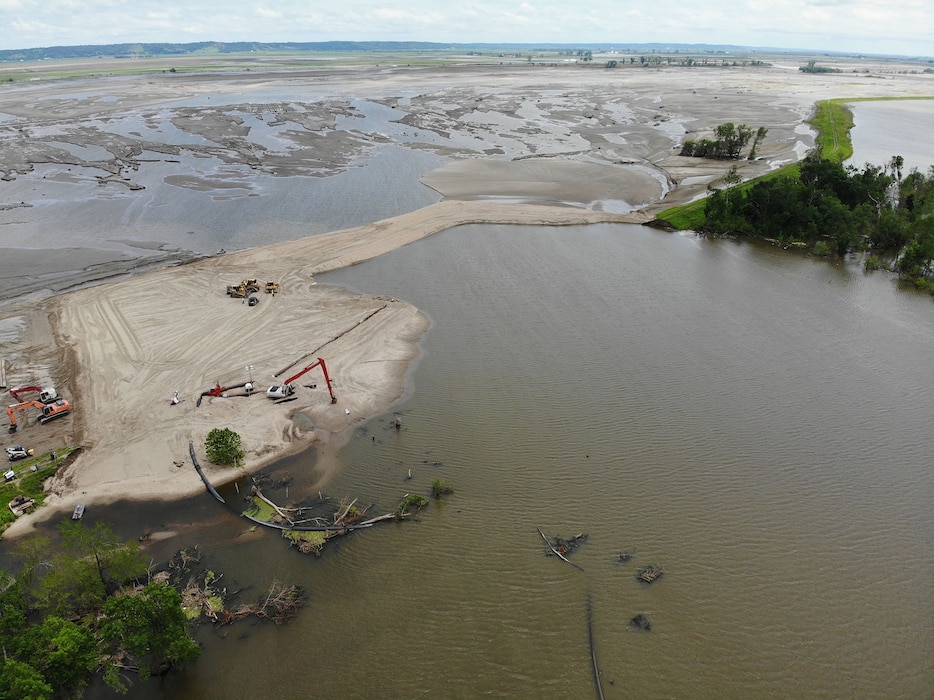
{"x": 640, "y": 622}
{"x": 649, "y": 574}
{"x": 561, "y": 547}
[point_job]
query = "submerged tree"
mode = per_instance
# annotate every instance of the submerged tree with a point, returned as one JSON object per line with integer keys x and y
{"x": 77, "y": 610}
{"x": 840, "y": 209}
{"x": 146, "y": 631}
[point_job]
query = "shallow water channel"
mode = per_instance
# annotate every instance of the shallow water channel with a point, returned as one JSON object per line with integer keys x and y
{"x": 755, "y": 423}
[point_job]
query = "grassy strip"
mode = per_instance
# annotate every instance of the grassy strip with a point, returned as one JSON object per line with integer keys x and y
{"x": 833, "y": 122}
{"x": 31, "y": 474}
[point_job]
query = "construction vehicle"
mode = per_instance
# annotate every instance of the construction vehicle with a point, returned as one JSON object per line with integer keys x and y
{"x": 245, "y": 288}
{"x": 46, "y": 394}
{"x": 272, "y": 288}
{"x": 48, "y": 411}
{"x": 287, "y": 388}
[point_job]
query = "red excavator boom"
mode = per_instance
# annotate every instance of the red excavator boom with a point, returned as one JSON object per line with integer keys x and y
{"x": 46, "y": 394}
{"x": 286, "y": 388}
{"x": 18, "y": 393}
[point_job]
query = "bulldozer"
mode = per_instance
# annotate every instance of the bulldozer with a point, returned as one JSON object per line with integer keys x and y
{"x": 272, "y": 288}
{"x": 245, "y": 288}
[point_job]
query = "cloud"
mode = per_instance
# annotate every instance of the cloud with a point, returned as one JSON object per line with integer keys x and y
{"x": 869, "y": 26}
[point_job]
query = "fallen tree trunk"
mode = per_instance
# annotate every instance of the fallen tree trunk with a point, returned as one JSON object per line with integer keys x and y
{"x": 556, "y": 552}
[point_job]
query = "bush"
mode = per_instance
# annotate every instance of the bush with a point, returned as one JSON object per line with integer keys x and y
{"x": 821, "y": 249}
{"x": 440, "y": 488}
{"x": 222, "y": 446}
{"x": 411, "y": 502}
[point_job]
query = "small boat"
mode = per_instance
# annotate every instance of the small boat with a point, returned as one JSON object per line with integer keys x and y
{"x": 79, "y": 511}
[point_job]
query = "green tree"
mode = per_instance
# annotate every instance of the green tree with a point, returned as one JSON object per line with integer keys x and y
{"x": 917, "y": 259}
{"x": 223, "y": 446}
{"x": 20, "y": 680}
{"x": 114, "y": 559}
{"x": 891, "y": 231}
{"x": 90, "y": 560}
{"x": 760, "y": 135}
{"x": 149, "y": 629}
{"x": 64, "y": 652}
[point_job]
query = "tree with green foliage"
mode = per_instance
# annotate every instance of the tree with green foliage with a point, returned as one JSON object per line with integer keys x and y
{"x": 223, "y": 446}
{"x": 90, "y": 560}
{"x": 20, "y": 680}
{"x": 760, "y": 135}
{"x": 917, "y": 259}
{"x": 62, "y": 651}
{"x": 728, "y": 144}
{"x": 66, "y": 615}
{"x": 840, "y": 209}
{"x": 146, "y": 630}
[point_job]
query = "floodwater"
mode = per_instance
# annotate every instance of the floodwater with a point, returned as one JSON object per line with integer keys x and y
{"x": 890, "y": 128}
{"x": 755, "y": 423}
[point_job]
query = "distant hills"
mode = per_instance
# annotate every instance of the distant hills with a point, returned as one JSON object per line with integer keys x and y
{"x": 207, "y": 48}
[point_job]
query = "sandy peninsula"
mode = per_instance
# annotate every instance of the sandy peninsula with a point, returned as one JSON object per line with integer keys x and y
{"x": 120, "y": 350}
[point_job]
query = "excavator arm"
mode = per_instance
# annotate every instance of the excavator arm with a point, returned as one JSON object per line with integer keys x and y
{"x": 46, "y": 394}
{"x": 324, "y": 369}
{"x": 11, "y": 411}
{"x": 47, "y": 411}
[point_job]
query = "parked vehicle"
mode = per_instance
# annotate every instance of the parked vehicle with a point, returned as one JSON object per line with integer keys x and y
{"x": 17, "y": 452}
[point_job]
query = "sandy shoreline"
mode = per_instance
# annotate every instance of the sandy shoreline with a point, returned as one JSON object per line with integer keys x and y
{"x": 129, "y": 345}
{"x": 120, "y": 350}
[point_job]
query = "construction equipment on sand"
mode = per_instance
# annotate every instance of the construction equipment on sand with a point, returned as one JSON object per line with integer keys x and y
{"x": 47, "y": 411}
{"x": 46, "y": 394}
{"x": 272, "y": 288}
{"x": 287, "y": 388}
{"x": 244, "y": 289}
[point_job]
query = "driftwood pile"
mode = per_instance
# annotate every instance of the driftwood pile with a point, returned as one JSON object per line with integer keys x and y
{"x": 309, "y": 532}
{"x": 561, "y": 548}
{"x": 204, "y": 597}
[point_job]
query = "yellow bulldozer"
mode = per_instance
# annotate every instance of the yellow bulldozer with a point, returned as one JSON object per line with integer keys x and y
{"x": 272, "y": 288}
{"x": 245, "y": 288}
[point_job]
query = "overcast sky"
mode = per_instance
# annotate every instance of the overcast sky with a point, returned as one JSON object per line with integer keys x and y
{"x": 862, "y": 26}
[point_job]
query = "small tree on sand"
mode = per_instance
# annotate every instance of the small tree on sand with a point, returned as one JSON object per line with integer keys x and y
{"x": 223, "y": 446}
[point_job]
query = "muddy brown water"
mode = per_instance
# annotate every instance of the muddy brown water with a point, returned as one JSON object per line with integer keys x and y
{"x": 754, "y": 422}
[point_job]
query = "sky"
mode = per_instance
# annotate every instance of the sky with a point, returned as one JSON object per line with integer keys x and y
{"x": 899, "y": 27}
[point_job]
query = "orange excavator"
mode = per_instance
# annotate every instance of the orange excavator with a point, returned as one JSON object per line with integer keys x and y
{"x": 48, "y": 411}
{"x": 281, "y": 391}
